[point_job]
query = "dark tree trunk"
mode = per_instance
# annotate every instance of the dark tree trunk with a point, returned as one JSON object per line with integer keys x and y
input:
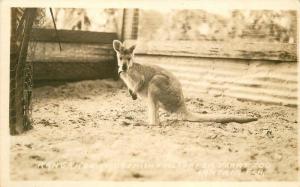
{"x": 19, "y": 119}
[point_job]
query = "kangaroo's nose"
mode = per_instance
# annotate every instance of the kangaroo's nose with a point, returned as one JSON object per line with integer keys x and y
{"x": 124, "y": 67}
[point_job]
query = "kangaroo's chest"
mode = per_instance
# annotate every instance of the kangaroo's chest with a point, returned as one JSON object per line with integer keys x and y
{"x": 128, "y": 80}
{"x": 132, "y": 81}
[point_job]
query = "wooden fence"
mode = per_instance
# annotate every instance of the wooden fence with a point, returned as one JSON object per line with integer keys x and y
{"x": 84, "y": 55}
{"x": 264, "y": 72}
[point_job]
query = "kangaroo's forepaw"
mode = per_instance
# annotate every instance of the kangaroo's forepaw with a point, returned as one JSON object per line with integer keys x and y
{"x": 133, "y": 95}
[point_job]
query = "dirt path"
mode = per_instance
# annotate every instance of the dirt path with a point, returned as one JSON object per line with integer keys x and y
{"x": 93, "y": 130}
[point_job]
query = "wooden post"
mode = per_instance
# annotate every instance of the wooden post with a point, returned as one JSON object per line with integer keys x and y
{"x": 22, "y": 122}
{"x": 13, "y": 62}
{"x": 115, "y": 69}
{"x": 135, "y": 24}
{"x": 123, "y": 24}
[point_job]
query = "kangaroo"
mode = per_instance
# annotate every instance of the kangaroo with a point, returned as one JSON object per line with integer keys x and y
{"x": 160, "y": 88}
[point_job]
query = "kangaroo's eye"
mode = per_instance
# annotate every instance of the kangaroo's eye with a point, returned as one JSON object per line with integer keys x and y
{"x": 121, "y": 58}
{"x": 129, "y": 58}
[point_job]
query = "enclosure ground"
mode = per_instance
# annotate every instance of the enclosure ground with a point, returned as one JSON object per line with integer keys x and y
{"x": 93, "y": 130}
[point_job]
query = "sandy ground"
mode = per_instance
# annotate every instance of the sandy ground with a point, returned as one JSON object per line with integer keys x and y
{"x": 93, "y": 130}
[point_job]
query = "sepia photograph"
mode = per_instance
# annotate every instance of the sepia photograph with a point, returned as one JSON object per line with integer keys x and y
{"x": 143, "y": 93}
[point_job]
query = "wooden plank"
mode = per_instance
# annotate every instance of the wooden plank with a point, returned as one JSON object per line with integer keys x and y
{"x": 209, "y": 49}
{"x": 72, "y": 71}
{"x": 71, "y": 36}
{"x": 71, "y": 52}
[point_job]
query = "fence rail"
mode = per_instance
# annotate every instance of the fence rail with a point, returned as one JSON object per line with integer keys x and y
{"x": 72, "y": 36}
{"x": 240, "y": 50}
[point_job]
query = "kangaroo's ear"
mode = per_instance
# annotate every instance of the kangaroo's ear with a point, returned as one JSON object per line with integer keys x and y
{"x": 131, "y": 49}
{"x": 117, "y": 45}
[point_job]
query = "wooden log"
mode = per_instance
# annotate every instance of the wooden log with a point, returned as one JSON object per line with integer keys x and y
{"x": 71, "y": 52}
{"x": 74, "y": 62}
{"x": 209, "y": 49}
{"x": 90, "y": 51}
{"x": 72, "y": 71}
{"x": 70, "y": 36}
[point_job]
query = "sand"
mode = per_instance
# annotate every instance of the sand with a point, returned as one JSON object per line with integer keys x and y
{"x": 93, "y": 130}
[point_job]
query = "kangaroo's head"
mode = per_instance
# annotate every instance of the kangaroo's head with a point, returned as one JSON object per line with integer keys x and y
{"x": 125, "y": 56}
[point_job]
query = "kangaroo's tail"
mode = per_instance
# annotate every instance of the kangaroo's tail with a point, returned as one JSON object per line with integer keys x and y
{"x": 189, "y": 116}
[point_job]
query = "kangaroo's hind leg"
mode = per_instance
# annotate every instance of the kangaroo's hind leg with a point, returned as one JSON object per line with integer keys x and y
{"x": 153, "y": 111}
{"x": 162, "y": 93}
{"x": 153, "y": 105}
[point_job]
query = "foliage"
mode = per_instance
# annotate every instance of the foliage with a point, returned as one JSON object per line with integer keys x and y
{"x": 254, "y": 25}
{"x": 102, "y": 20}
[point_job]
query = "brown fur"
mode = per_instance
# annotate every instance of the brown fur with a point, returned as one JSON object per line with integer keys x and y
{"x": 160, "y": 88}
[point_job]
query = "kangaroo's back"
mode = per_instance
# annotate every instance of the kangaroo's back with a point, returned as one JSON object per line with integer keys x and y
{"x": 160, "y": 87}
{"x": 149, "y": 71}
